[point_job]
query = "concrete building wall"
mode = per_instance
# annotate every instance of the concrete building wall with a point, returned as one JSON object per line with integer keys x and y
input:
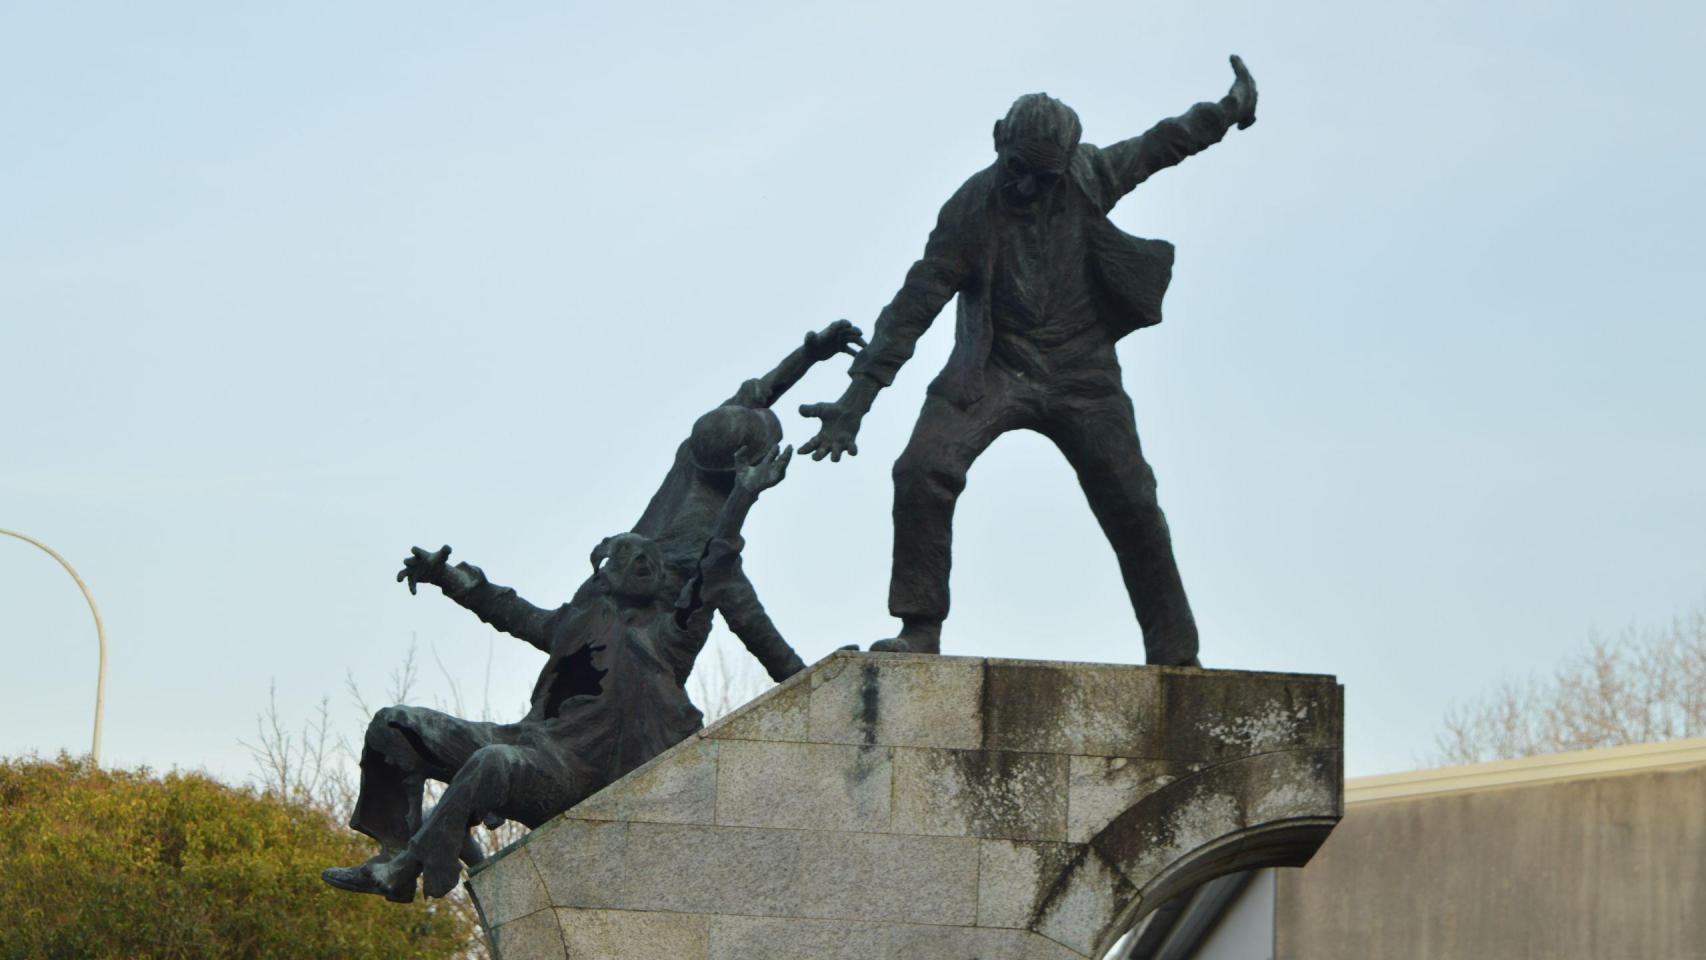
{"x": 1610, "y": 866}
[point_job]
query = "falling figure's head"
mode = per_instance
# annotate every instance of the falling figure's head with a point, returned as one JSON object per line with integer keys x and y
{"x": 1035, "y": 143}
{"x": 723, "y": 433}
{"x": 631, "y": 567}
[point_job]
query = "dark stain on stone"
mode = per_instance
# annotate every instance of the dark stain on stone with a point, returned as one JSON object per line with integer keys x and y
{"x": 1192, "y": 703}
{"x": 1013, "y": 795}
{"x": 1152, "y": 822}
{"x": 1124, "y": 891}
{"x": 1062, "y": 879}
{"x": 871, "y": 758}
{"x": 868, "y": 693}
{"x": 1021, "y": 705}
{"x": 985, "y": 706}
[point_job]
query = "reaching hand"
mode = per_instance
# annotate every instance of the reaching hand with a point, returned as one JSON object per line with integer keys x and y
{"x": 423, "y": 567}
{"x": 766, "y": 473}
{"x": 836, "y": 436}
{"x": 1241, "y": 99}
{"x": 838, "y": 337}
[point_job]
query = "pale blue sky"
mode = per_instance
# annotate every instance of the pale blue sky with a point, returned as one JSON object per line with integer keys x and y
{"x": 285, "y": 289}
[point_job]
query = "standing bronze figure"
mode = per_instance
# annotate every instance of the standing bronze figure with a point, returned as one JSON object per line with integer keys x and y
{"x": 1046, "y": 285}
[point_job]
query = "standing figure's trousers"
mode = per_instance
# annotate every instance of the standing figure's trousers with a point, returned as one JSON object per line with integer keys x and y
{"x": 502, "y": 770}
{"x": 1089, "y": 418}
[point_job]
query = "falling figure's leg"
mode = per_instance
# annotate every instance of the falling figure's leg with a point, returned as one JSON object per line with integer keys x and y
{"x": 511, "y": 781}
{"x": 403, "y": 748}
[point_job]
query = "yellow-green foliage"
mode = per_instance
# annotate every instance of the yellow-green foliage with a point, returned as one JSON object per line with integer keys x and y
{"x": 113, "y": 863}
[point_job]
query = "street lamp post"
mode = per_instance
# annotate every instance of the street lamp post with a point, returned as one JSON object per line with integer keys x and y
{"x": 100, "y": 637}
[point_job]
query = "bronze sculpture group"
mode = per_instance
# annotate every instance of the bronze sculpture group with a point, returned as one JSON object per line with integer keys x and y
{"x": 1046, "y": 286}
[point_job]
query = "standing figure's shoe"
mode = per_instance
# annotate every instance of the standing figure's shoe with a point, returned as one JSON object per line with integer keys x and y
{"x": 917, "y": 635}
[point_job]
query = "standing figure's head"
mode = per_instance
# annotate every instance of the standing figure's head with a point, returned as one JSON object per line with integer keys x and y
{"x": 1035, "y": 142}
{"x": 723, "y": 433}
{"x": 631, "y": 568}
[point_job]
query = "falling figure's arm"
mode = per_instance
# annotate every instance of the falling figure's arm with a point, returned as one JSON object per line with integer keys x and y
{"x": 820, "y": 345}
{"x": 467, "y": 585}
{"x": 723, "y": 585}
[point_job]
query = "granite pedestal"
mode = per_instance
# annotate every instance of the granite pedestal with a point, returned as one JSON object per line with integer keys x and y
{"x": 889, "y": 806}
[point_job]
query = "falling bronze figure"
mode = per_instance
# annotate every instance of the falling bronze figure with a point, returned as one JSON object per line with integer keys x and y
{"x": 1047, "y": 285}
{"x": 612, "y": 694}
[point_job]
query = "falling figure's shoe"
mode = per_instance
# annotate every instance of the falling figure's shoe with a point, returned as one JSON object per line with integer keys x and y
{"x": 374, "y": 876}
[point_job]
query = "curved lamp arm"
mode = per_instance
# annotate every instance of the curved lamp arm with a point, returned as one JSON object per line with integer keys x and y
{"x": 100, "y": 636}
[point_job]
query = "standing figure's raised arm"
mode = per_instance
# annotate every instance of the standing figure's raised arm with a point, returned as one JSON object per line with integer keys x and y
{"x": 1124, "y": 165}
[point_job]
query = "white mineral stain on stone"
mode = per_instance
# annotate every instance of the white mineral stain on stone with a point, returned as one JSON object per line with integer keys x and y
{"x": 1204, "y": 818}
{"x": 1293, "y": 788}
{"x": 1275, "y": 726}
{"x": 1285, "y": 800}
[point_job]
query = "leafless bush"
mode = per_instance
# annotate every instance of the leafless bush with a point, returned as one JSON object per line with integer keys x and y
{"x": 307, "y": 766}
{"x": 719, "y": 683}
{"x": 1639, "y": 687}
{"x": 317, "y": 763}
{"x": 319, "y": 768}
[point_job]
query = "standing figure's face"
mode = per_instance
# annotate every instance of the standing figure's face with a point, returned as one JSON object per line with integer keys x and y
{"x": 1023, "y": 179}
{"x": 1035, "y": 143}
{"x": 632, "y": 567}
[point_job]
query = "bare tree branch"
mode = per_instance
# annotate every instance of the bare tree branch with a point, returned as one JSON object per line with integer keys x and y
{"x": 1640, "y": 687}
{"x": 718, "y": 684}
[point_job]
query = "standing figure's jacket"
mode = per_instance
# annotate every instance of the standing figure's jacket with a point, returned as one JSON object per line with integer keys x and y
{"x": 1128, "y": 275}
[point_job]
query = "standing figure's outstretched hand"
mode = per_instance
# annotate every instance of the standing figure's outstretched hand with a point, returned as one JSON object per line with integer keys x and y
{"x": 766, "y": 473}
{"x": 423, "y": 567}
{"x": 1241, "y": 99}
{"x": 836, "y": 436}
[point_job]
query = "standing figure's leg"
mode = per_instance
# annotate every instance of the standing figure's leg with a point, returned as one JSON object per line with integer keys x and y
{"x": 1098, "y": 435}
{"x": 928, "y": 479}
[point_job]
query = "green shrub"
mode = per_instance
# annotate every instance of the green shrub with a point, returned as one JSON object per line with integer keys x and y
{"x": 126, "y": 863}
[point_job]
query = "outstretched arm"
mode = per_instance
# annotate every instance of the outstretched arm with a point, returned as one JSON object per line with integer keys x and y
{"x": 1130, "y": 162}
{"x": 930, "y": 284}
{"x": 731, "y": 593}
{"x": 820, "y": 345}
{"x": 723, "y": 584}
{"x": 468, "y": 586}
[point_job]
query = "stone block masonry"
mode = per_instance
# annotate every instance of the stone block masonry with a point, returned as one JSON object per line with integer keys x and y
{"x": 888, "y": 806}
